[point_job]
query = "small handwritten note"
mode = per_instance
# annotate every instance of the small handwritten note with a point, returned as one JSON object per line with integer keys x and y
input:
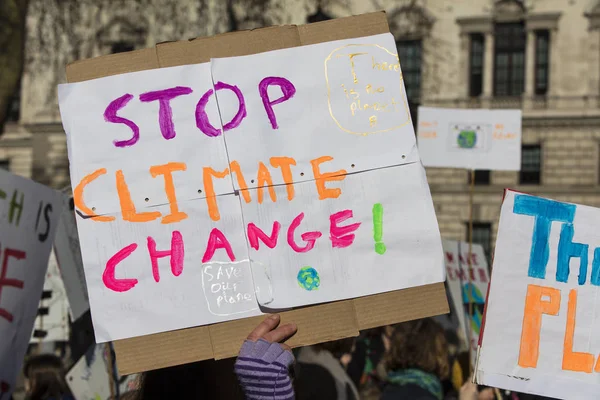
{"x": 228, "y": 288}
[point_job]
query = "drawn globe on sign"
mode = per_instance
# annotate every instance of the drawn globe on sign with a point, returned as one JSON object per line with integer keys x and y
{"x": 476, "y": 321}
{"x": 308, "y": 278}
{"x": 467, "y": 139}
{"x": 474, "y": 294}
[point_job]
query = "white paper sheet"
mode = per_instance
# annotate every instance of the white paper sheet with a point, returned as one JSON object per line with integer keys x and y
{"x": 89, "y": 379}
{"x": 68, "y": 253}
{"x": 456, "y": 255}
{"x": 507, "y": 357}
{"x": 473, "y": 139}
{"x": 26, "y": 237}
{"x": 52, "y": 322}
{"x": 219, "y": 149}
{"x": 413, "y": 251}
{"x": 318, "y": 120}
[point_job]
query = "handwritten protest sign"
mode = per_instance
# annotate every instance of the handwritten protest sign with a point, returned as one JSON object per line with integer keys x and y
{"x": 68, "y": 253}
{"x": 28, "y": 218}
{"x": 89, "y": 378}
{"x": 476, "y": 139}
{"x": 464, "y": 289}
{"x": 52, "y": 321}
{"x": 541, "y": 322}
{"x": 286, "y": 194}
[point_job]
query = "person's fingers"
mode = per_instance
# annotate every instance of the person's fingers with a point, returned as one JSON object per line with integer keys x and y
{"x": 264, "y": 327}
{"x": 281, "y": 333}
{"x": 487, "y": 394}
{"x": 285, "y": 346}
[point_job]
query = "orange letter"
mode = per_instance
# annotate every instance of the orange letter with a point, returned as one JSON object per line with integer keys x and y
{"x": 535, "y": 306}
{"x": 285, "y": 164}
{"x": 264, "y": 177}
{"x": 78, "y": 196}
{"x": 235, "y": 167}
{"x": 167, "y": 170}
{"x": 127, "y": 206}
{"x": 209, "y": 190}
{"x": 572, "y": 360}
{"x": 320, "y": 179}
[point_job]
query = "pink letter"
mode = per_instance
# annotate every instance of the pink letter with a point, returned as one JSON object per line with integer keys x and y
{"x": 165, "y": 113}
{"x": 255, "y": 233}
{"x": 176, "y": 253}
{"x": 341, "y": 236}
{"x": 110, "y": 115}
{"x": 309, "y": 237}
{"x": 108, "y": 277}
{"x": 217, "y": 240}
{"x": 202, "y": 121}
{"x": 287, "y": 89}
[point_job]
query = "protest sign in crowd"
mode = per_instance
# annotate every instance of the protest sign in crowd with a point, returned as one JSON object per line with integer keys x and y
{"x": 236, "y": 215}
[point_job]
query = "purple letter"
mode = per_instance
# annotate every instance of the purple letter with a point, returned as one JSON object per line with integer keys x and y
{"x": 202, "y": 118}
{"x": 287, "y": 88}
{"x": 165, "y": 114}
{"x": 110, "y": 115}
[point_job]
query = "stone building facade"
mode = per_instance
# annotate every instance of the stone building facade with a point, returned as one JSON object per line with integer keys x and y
{"x": 542, "y": 56}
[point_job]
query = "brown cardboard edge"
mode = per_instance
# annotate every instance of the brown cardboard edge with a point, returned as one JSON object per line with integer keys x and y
{"x": 316, "y": 323}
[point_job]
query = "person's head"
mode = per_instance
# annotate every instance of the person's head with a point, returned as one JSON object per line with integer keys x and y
{"x": 336, "y": 347}
{"x": 207, "y": 379}
{"x": 419, "y": 344}
{"x": 45, "y": 377}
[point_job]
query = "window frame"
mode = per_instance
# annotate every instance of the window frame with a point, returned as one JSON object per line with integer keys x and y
{"x": 413, "y": 103}
{"x": 476, "y": 80}
{"x": 525, "y": 177}
{"x": 483, "y": 177}
{"x": 511, "y": 51}
{"x": 487, "y": 247}
{"x": 541, "y": 65}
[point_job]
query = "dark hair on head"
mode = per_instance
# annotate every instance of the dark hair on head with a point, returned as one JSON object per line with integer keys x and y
{"x": 207, "y": 379}
{"x": 337, "y": 347}
{"x": 46, "y": 375}
{"x": 419, "y": 344}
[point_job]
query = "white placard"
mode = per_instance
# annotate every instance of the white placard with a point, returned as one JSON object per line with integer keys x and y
{"x": 52, "y": 322}
{"x": 89, "y": 379}
{"x": 170, "y": 208}
{"x": 475, "y": 139}
{"x": 28, "y": 217}
{"x": 68, "y": 253}
{"x": 542, "y": 319}
{"x": 457, "y": 267}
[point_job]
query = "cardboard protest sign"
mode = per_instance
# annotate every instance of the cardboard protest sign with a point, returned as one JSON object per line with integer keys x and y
{"x": 465, "y": 290}
{"x": 476, "y": 139}
{"x": 52, "y": 321}
{"x": 28, "y": 219}
{"x": 68, "y": 253}
{"x": 207, "y": 214}
{"x": 541, "y": 321}
{"x": 89, "y": 378}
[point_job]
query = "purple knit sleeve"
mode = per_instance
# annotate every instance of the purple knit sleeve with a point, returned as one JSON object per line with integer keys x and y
{"x": 262, "y": 369}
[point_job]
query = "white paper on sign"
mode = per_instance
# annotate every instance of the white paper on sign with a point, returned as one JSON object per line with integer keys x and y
{"x": 68, "y": 253}
{"x": 173, "y": 193}
{"x": 457, "y": 267}
{"x": 476, "y": 139}
{"x": 52, "y": 321}
{"x": 343, "y": 100}
{"x": 326, "y": 249}
{"x": 542, "y": 320}
{"x": 88, "y": 379}
{"x": 28, "y": 217}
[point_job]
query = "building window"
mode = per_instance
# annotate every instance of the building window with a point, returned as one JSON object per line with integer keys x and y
{"x": 542, "y": 61}
{"x": 531, "y": 165}
{"x": 14, "y": 109}
{"x": 410, "y": 54}
{"x": 482, "y": 177}
{"x": 121, "y": 47}
{"x": 5, "y": 165}
{"x": 476, "y": 65}
{"x": 509, "y": 59}
{"x": 482, "y": 234}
